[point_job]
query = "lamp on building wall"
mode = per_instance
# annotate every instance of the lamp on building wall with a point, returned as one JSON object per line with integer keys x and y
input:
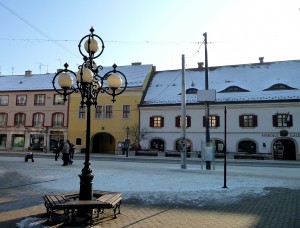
{"x": 89, "y": 83}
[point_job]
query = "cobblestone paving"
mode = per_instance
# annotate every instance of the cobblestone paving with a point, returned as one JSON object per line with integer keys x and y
{"x": 280, "y": 208}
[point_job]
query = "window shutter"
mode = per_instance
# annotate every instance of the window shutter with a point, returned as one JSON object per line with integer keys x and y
{"x": 255, "y": 121}
{"x": 241, "y": 120}
{"x": 290, "y": 122}
{"x": 204, "y": 121}
{"x": 189, "y": 124}
{"x": 275, "y": 123}
{"x": 217, "y": 121}
{"x": 162, "y": 121}
{"x": 177, "y": 121}
{"x": 152, "y": 121}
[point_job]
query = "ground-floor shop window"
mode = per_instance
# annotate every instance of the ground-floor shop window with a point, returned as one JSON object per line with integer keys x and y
{"x": 3, "y": 139}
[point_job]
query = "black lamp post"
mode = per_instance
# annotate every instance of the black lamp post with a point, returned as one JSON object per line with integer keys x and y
{"x": 89, "y": 83}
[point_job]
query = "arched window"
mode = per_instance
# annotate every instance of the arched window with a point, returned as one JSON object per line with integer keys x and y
{"x": 38, "y": 119}
{"x": 57, "y": 119}
{"x": 3, "y": 119}
{"x": 247, "y": 146}
{"x": 20, "y": 119}
{"x": 179, "y": 147}
{"x": 157, "y": 144}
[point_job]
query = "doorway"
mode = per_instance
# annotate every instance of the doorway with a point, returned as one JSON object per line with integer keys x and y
{"x": 103, "y": 143}
{"x": 284, "y": 149}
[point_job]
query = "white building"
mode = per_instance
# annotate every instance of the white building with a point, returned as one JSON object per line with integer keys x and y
{"x": 262, "y": 103}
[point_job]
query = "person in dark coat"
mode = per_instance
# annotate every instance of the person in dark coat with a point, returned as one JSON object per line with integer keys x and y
{"x": 56, "y": 150}
{"x": 65, "y": 153}
{"x": 29, "y": 155}
{"x": 71, "y": 152}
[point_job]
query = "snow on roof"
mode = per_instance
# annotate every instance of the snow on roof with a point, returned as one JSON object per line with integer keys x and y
{"x": 165, "y": 87}
{"x": 135, "y": 75}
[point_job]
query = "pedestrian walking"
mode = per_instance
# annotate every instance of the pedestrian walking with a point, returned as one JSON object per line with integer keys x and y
{"x": 65, "y": 154}
{"x": 56, "y": 150}
{"x": 72, "y": 149}
{"x": 29, "y": 154}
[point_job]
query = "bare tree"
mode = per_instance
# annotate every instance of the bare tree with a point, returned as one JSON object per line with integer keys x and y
{"x": 136, "y": 134}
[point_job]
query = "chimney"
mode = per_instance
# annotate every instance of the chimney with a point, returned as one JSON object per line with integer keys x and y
{"x": 28, "y": 73}
{"x": 200, "y": 65}
{"x": 261, "y": 60}
{"x": 136, "y": 63}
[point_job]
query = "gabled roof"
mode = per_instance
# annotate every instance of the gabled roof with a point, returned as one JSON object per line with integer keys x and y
{"x": 254, "y": 81}
{"x": 135, "y": 74}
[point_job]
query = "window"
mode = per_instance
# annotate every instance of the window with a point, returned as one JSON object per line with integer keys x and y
{"x": 38, "y": 119}
{"x": 104, "y": 112}
{"x": 57, "y": 119}
{"x": 233, "y": 89}
{"x": 248, "y": 121}
{"x": 3, "y": 119}
{"x": 279, "y": 86}
{"x": 157, "y": 144}
{"x": 3, "y": 138}
{"x": 178, "y": 121}
{"x": 19, "y": 119}
{"x": 58, "y": 99}
{"x": 3, "y": 100}
{"x": 156, "y": 121}
{"x": 99, "y": 112}
{"x": 78, "y": 141}
{"x": 81, "y": 113}
{"x": 282, "y": 120}
{"x": 247, "y": 146}
{"x": 21, "y": 100}
{"x": 214, "y": 121}
{"x": 179, "y": 146}
{"x": 39, "y": 99}
{"x": 108, "y": 111}
{"x": 126, "y": 111}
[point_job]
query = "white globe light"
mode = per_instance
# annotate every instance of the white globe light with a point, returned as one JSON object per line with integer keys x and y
{"x": 114, "y": 81}
{"x": 87, "y": 75}
{"x": 93, "y": 46}
{"x": 65, "y": 80}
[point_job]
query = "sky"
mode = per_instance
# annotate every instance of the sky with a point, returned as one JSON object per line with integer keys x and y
{"x": 42, "y": 35}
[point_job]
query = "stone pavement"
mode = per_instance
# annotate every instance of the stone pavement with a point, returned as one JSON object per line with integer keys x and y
{"x": 278, "y": 208}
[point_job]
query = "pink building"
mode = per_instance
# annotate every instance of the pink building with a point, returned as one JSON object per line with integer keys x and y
{"x": 31, "y": 112}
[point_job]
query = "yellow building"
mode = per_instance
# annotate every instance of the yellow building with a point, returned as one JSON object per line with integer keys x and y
{"x": 109, "y": 120}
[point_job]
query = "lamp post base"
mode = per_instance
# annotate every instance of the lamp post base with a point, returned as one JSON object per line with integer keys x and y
{"x": 86, "y": 187}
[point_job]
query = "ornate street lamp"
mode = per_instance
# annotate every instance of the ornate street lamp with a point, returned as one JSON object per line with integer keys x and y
{"x": 89, "y": 83}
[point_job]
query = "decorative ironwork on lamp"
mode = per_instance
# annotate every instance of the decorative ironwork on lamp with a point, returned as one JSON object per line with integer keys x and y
{"x": 89, "y": 83}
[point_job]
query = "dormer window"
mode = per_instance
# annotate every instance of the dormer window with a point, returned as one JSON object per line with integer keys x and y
{"x": 190, "y": 91}
{"x": 279, "y": 86}
{"x": 231, "y": 89}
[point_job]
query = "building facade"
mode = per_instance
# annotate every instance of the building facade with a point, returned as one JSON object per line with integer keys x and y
{"x": 262, "y": 101}
{"x": 111, "y": 123}
{"x": 31, "y": 114}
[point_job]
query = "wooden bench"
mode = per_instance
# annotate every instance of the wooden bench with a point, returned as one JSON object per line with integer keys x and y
{"x": 104, "y": 200}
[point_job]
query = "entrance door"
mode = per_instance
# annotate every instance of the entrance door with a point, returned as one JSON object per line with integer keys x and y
{"x": 103, "y": 143}
{"x": 284, "y": 149}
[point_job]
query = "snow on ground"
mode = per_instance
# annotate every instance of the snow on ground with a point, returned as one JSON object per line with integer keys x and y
{"x": 149, "y": 183}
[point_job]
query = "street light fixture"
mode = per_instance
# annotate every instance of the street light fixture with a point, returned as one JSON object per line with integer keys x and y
{"x": 89, "y": 83}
